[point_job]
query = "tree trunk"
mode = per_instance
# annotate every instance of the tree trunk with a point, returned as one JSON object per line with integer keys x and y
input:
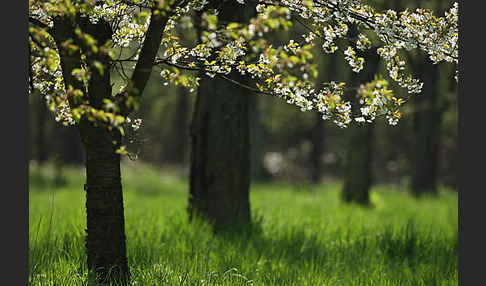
{"x": 219, "y": 180}
{"x": 257, "y": 170}
{"x": 357, "y": 180}
{"x": 427, "y": 126}
{"x": 71, "y": 147}
{"x": 317, "y": 139}
{"x": 38, "y": 128}
{"x": 358, "y": 177}
{"x": 220, "y": 163}
{"x": 179, "y": 128}
{"x": 42, "y": 149}
{"x": 105, "y": 240}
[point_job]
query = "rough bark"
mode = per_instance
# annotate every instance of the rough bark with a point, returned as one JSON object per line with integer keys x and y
{"x": 105, "y": 241}
{"x": 105, "y": 232}
{"x": 427, "y": 126}
{"x": 219, "y": 179}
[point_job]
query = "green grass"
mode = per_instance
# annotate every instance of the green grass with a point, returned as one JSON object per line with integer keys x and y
{"x": 302, "y": 235}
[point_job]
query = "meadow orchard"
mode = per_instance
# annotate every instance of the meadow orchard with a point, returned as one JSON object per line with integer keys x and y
{"x": 76, "y": 46}
{"x": 286, "y": 70}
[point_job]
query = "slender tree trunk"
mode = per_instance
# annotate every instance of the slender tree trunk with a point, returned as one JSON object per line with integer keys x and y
{"x": 179, "y": 127}
{"x": 105, "y": 240}
{"x": 427, "y": 126}
{"x": 317, "y": 136}
{"x": 72, "y": 149}
{"x": 257, "y": 170}
{"x": 219, "y": 180}
{"x": 357, "y": 180}
{"x": 317, "y": 139}
{"x": 41, "y": 150}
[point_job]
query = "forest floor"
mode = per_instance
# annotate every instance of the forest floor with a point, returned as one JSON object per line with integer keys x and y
{"x": 301, "y": 235}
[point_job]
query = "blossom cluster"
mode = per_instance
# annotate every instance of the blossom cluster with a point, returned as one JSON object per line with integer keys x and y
{"x": 285, "y": 69}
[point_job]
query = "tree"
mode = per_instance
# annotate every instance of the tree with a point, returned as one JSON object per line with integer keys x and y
{"x": 317, "y": 133}
{"x": 223, "y": 203}
{"x": 179, "y": 146}
{"x": 71, "y": 147}
{"x": 317, "y": 138}
{"x": 76, "y": 45}
{"x": 219, "y": 182}
{"x": 358, "y": 176}
{"x": 41, "y": 151}
{"x": 220, "y": 157}
{"x": 70, "y": 55}
{"x": 427, "y": 121}
{"x": 427, "y": 129}
{"x": 257, "y": 170}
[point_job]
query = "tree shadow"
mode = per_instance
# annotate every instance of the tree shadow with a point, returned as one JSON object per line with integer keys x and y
{"x": 394, "y": 246}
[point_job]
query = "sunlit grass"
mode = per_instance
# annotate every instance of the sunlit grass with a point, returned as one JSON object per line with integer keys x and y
{"x": 302, "y": 235}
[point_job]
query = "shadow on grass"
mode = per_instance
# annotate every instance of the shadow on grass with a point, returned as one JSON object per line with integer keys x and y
{"x": 407, "y": 246}
{"x": 284, "y": 253}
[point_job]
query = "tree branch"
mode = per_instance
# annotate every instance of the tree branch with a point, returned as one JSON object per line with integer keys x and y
{"x": 63, "y": 31}
{"x": 150, "y": 47}
{"x": 41, "y": 25}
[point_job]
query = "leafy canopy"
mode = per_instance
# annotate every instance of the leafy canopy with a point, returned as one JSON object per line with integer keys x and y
{"x": 63, "y": 66}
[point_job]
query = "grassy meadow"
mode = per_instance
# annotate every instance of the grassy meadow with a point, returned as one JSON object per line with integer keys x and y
{"x": 301, "y": 235}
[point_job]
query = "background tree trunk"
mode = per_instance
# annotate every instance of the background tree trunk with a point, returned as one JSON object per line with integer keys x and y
{"x": 329, "y": 71}
{"x": 71, "y": 147}
{"x": 257, "y": 170}
{"x": 357, "y": 181}
{"x": 427, "y": 127}
{"x": 219, "y": 180}
{"x": 39, "y": 122}
{"x": 42, "y": 150}
{"x": 317, "y": 139}
{"x": 220, "y": 151}
{"x": 358, "y": 177}
{"x": 177, "y": 155}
